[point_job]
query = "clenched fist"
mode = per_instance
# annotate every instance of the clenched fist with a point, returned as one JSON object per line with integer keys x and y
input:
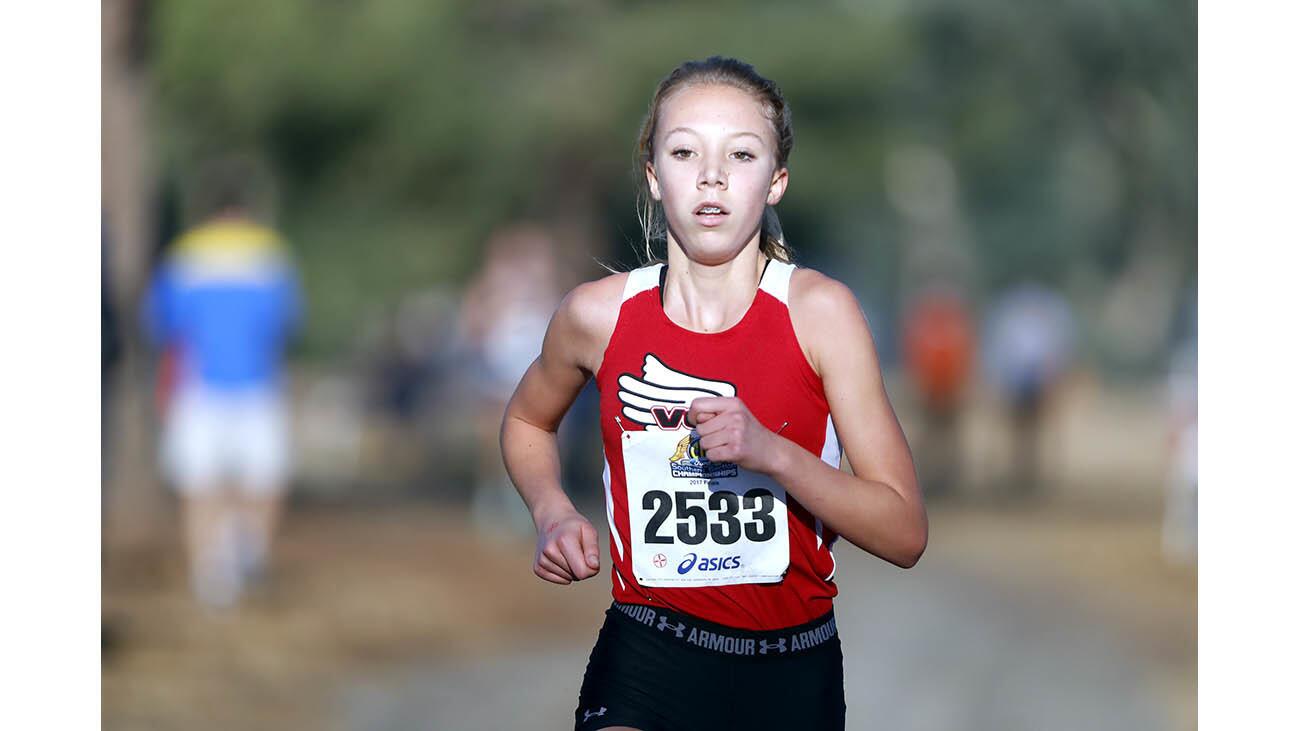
{"x": 567, "y": 550}
{"x": 730, "y": 433}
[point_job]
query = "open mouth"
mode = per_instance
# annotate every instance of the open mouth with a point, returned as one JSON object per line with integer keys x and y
{"x": 711, "y": 209}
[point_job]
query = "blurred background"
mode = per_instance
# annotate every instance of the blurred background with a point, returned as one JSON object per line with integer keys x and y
{"x": 392, "y": 196}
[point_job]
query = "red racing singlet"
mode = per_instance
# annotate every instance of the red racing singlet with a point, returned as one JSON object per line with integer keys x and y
{"x": 706, "y": 538}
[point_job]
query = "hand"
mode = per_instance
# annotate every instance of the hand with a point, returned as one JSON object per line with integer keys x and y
{"x": 730, "y": 433}
{"x": 567, "y": 548}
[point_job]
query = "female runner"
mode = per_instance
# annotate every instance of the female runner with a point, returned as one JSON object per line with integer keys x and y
{"x": 729, "y": 382}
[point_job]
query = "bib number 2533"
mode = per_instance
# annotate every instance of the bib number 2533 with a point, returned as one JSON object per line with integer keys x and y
{"x": 697, "y": 515}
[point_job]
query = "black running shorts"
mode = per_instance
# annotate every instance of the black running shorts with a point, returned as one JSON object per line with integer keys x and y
{"x": 658, "y": 670}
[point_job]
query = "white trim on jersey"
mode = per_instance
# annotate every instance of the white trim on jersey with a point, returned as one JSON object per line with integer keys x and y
{"x": 831, "y": 455}
{"x": 609, "y": 513}
{"x": 831, "y": 452}
{"x": 776, "y": 280}
{"x": 639, "y": 280}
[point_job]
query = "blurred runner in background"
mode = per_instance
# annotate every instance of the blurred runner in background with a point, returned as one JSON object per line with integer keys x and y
{"x": 507, "y": 307}
{"x": 938, "y": 345}
{"x": 221, "y": 306}
{"x": 1029, "y": 344}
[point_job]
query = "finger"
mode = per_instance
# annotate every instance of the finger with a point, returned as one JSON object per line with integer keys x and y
{"x": 553, "y": 552}
{"x": 696, "y": 414}
{"x": 591, "y": 547}
{"x": 549, "y": 564}
{"x": 716, "y": 439}
{"x": 707, "y": 408}
{"x": 724, "y": 453}
{"x": 710, "y": 422}
{"x": 576, "y": 562}
{"x": 713, "y": 422}
{"x": 703, "y": 417}
{"x": 711, "y": 403}
{"x": 551, "y": 576}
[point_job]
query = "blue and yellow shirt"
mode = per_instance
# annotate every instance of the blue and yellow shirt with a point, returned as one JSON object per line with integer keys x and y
{"x": 227, "y": 298}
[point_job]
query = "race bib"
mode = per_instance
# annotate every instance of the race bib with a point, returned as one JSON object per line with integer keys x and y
{"x": 700, "y": 523}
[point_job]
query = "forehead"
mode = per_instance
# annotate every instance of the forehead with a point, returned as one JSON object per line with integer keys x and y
{"x": 712, "y": 109}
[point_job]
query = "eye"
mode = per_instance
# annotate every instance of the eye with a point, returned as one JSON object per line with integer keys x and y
{"x": 744, "y": 155}
{"x": 681, "y": 153}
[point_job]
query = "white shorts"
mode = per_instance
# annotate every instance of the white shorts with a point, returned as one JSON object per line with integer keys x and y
{"x": 215, "y": 439}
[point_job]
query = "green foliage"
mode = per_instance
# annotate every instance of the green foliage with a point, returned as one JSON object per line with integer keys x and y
{"x": 402, "y": 131}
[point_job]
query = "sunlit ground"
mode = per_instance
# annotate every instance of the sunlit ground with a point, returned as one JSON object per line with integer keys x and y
{"x": 367, "y": 607}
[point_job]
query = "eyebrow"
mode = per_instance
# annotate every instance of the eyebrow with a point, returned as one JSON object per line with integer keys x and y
{"x": 733, "y": 134}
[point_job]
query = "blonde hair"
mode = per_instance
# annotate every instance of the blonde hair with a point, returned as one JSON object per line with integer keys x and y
{"x": 728, "y": 72}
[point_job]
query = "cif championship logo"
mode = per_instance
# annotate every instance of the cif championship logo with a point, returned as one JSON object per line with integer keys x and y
{"x": 689, "y": 461}
{"x": 659, "y": 400}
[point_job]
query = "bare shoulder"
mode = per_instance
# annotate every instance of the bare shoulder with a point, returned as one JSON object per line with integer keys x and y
{"x": 822, "y": 295}
{"x": 587, "y": 316}
{"x": 826, "y": 315}
{"x": 592, "y": 307}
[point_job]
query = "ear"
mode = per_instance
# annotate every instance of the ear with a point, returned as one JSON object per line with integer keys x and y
{"x": 776, "y": 190}
{"x": 653, "y": 181}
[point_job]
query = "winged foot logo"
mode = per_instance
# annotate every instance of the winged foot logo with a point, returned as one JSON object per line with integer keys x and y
{"x": 660, "y": 398}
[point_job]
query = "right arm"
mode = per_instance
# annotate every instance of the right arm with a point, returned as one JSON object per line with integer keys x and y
{"x": 575, "y": 341}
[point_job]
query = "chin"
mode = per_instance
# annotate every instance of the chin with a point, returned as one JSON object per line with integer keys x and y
{"x": 706, "y": 254}
{"x": 712, "y": 247}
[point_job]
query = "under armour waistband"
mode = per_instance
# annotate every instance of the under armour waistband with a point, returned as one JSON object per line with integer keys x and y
{"x": 692, "y": 632}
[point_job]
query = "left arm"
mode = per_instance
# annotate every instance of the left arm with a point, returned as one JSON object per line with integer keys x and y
{"x": 879, "y": 509}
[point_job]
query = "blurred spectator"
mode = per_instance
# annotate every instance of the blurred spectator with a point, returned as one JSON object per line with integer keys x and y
{"x": 399, "y": 375}
{"x": 411, "y": 383}
{"x": 1179, "y": 534}
{"x": 407, "y": 352}
{"x": 938, "y": 345}
{"x": 1029, "y": 344}
{"x": 221, "y": 304}
{"x": 504, "y": 317}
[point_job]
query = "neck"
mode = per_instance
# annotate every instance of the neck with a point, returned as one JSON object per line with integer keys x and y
{"x": 711, "y": 297}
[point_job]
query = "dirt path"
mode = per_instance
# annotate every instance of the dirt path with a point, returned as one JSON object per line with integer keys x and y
{"x": 400, "y": 618}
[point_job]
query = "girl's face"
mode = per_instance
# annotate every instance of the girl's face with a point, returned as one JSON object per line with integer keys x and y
{"x": 714, "y": 170}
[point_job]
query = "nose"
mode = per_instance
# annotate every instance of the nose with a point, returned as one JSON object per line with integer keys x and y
{"x": 712, "y": 173}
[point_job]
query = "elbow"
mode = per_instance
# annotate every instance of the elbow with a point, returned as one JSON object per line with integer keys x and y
{"x": 910, "y": 551}
{"x": 515, "y": 425}
{"x": 510, "y": 423}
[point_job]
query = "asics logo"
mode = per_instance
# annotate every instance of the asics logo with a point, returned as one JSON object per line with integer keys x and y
{"x": 687, "y": 563}
{"x": 708, "y": 563}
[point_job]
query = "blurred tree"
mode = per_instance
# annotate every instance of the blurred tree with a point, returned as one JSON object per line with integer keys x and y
{"x": 402, "y": 131}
